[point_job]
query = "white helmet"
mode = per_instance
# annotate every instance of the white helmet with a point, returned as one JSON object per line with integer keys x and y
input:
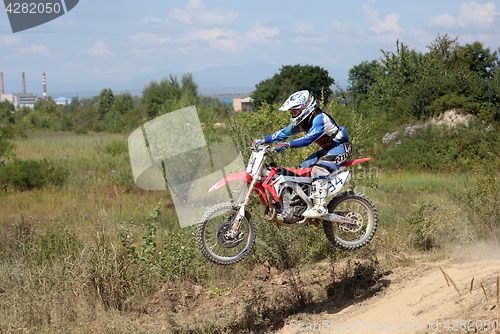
{"x": 301, "y": 104}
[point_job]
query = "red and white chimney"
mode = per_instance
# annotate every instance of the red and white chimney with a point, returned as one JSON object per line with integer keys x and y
{"x": 44, "y": 88}
{"x": 24, "y": 85}
{"x": 1, "y": 84}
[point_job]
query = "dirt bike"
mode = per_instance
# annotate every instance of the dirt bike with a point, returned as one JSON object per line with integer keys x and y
{"x": 226, "y": 232}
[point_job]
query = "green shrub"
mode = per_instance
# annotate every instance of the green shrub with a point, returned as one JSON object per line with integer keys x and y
{"x": 461, "y": 103}
{"x": 80, "y": 131}
{"x": 420, "y": 218}
{"x": 177, "y": 259}
{"x": 113, "y": 121}
{"x": 439, "y": 147}
{"x": 5, "y": 148}
{"x": 481, "y": 201}
{"x": 116, "y": 147}
{"x": 30, "y": 174}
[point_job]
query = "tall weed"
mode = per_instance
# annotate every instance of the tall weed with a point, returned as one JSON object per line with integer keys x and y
{"x": 420, "y": 218}
{"x": 481, "y": 201}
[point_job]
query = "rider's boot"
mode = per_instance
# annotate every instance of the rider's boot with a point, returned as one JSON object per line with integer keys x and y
{"x": 319, "y": 191}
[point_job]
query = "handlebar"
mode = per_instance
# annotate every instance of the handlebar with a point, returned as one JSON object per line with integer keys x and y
{"x": 258, "y": 148}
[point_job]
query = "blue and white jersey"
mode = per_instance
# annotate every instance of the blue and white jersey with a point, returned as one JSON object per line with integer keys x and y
{"x": 324, "y": 131}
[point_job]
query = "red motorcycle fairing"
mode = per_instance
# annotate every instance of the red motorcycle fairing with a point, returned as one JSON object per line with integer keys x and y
{"x": 270, "y": 186}
{"x": 306, "y": 172}
{"x": 244, "y": 176}
{"x": 241, "y": 176}
{"x": 353, "y": 162}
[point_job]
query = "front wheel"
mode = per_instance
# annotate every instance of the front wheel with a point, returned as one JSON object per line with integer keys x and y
{"x": 355, "y": 235}
{"x": 214, "y": 239}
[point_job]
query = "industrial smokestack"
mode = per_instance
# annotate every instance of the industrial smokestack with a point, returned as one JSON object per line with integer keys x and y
{"x": 24, "y": 85}
{"x": 44, "y": 88}
{"x": 1, "y": 84}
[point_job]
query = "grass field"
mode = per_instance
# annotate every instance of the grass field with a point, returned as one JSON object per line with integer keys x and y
{"x": 84, "y": 251}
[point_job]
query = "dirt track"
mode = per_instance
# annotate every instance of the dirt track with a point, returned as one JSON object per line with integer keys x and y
{"x": 415, "y": 301}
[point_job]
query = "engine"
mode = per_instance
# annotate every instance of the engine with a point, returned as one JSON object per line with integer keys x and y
{"x": 292, "y": 207}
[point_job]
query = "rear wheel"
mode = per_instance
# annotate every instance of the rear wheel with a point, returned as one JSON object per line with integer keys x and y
{"x": 354, "y": 235}
{"x": 214, "y": 239}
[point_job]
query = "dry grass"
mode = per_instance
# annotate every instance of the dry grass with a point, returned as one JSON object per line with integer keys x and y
{"x": 449, "y": 279}
{"x": 93, "y": 288}
{"x": 98, "y": 182}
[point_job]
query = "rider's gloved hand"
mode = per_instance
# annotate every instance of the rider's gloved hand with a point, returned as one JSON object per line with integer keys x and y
{"x": 258, "y": 142}
{"x": 281, "y": 146}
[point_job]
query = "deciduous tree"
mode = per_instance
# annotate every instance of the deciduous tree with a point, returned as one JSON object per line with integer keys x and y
{"x": 291, "y": 79}
{"x": 106, "y": 101}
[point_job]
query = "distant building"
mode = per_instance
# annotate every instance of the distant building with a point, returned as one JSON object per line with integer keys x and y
{"x": 240, "y": 101}
{"x": 21, "y": 100}
{"x": 246, "y": 103}
{"x": 62, "y": 100}
{"x": 228, "y": 100}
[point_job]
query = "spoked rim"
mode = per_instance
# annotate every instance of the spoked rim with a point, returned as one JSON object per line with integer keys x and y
{"x": 360, "y": 212}
{"x": 216, "y": 239}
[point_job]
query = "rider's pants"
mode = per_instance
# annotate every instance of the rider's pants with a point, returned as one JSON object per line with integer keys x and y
{"x": 326, "y": 161}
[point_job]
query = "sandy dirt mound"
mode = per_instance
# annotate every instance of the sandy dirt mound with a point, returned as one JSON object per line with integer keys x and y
{"x": 424, "y": 298}
{"x": 360, "y": 294}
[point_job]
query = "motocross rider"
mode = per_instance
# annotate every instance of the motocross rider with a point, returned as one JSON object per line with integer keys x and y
{"x": 321, "y": 128}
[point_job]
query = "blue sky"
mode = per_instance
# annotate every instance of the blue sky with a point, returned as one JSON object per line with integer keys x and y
{"x": 117, "y": 40}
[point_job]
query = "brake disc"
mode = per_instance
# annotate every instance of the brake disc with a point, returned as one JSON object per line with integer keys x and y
{"x": 355, "y": 225}
{"x": 223, "y": 236}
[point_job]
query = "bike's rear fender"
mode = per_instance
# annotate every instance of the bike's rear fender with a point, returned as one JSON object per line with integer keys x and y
{"x": 353, "y": 162}
{"x": 241, "y": 176}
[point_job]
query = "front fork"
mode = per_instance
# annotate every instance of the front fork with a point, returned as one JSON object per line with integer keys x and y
{"x": 241, "y": 213}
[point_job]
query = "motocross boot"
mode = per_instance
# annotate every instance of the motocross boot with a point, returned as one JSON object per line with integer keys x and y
{"x": 319, "y": 191}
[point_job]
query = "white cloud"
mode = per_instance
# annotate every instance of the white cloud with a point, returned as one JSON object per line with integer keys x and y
{"x": 147, "y": 38}
{"x": 387, "y": 30}
{"x": 62, "y": 25}
{"x": 212, "y": 34}
{"x": 340, "y": 27}
{"x": 371, "y": 14}
{"x": 195, "y": 4}
{"x": 151, "y": 20}
{"x": 142, "y": 53}
{"x": 99, "y": 49}
{"x": 9, "y": 40}
{"x": 422, "y": 37}
{"x": 472, "y": 12}
{"x": 230, "y": 40}
{"x": 390, "y": 24}
{"x": 304, "y": 28}
{"x": 218, "y": 38}
{"x": 218, "y": 17}
{"x": 34, "y": 48}
{"x": 260, "y": 34}
{"x": 197, "y": 13}
{"x": 443, "y": 21}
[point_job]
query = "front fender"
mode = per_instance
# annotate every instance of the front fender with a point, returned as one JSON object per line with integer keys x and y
{"x": 241, "y": 176}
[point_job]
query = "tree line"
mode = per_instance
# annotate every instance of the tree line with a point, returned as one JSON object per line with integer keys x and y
{"x": 409, "y": 83}
{"x": 113, "y": 113}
